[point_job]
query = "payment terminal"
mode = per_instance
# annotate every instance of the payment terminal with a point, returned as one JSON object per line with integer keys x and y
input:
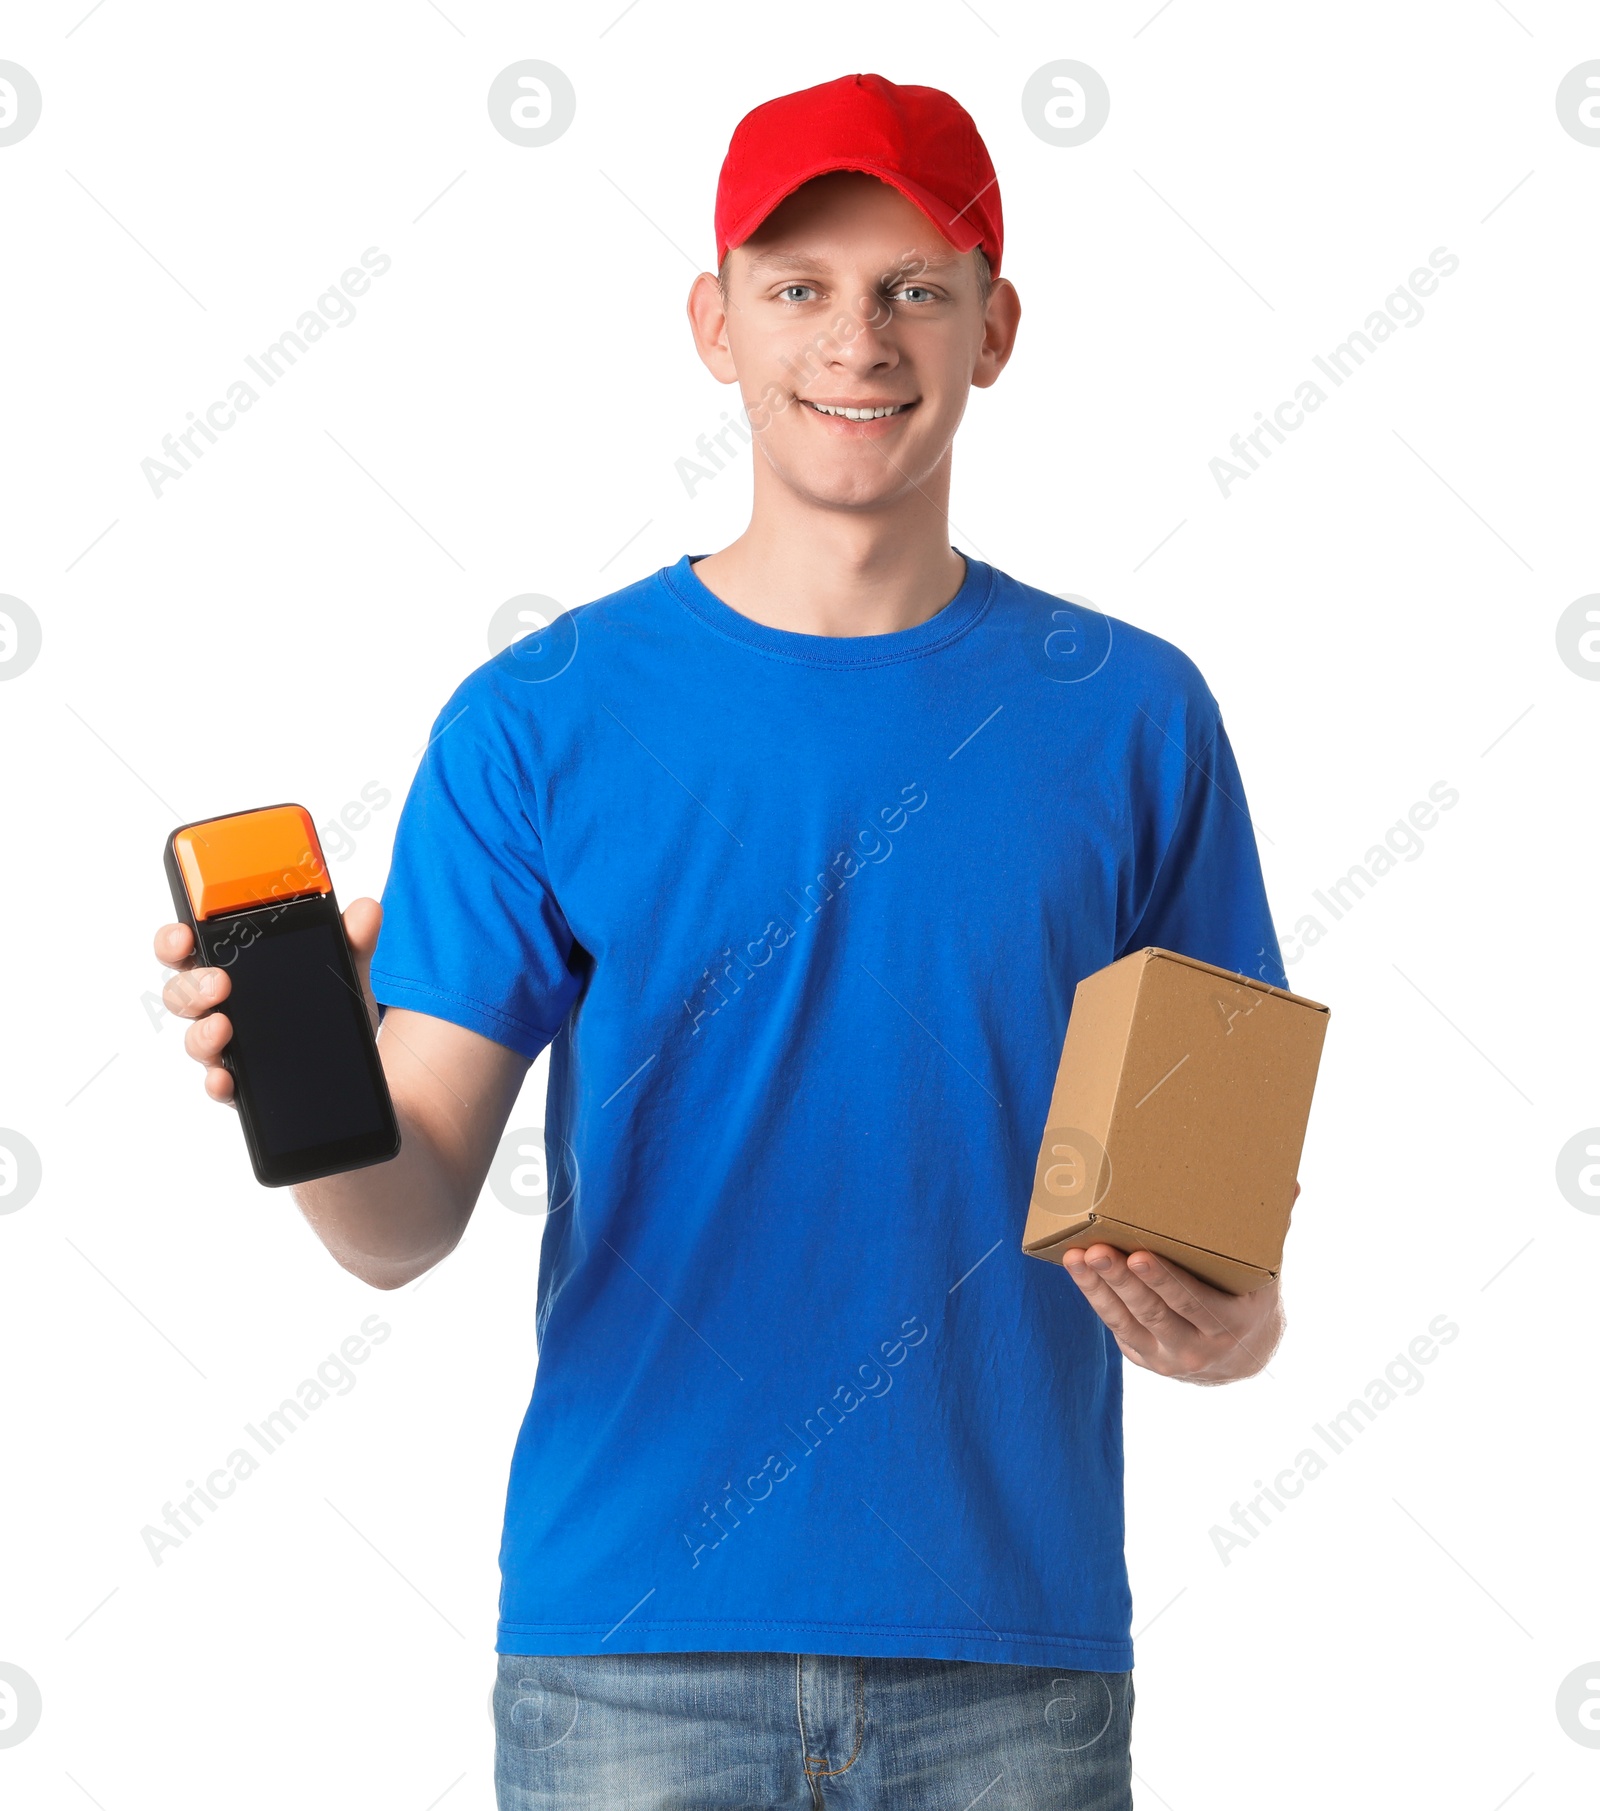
{"x": 307, "y": 1078}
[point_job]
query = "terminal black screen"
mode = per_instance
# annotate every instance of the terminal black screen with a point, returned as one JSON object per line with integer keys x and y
{"x": 307, "y": 1075}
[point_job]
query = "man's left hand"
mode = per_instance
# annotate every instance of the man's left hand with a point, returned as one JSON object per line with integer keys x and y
{"x": 1165, "y": 1318}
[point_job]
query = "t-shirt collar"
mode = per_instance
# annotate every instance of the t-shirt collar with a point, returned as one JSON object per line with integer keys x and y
{"x": 940, "y": 629}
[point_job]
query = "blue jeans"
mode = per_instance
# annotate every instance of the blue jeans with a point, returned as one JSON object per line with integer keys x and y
{"x": 803, "y": 1732}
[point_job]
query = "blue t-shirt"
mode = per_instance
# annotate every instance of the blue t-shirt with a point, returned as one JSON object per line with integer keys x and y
{"x": 801, "y": 918}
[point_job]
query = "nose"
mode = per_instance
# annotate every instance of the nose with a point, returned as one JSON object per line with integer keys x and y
{"x": 863, "y": 341}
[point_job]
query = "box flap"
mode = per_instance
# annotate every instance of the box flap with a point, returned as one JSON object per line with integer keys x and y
{"x": 1228, "y": 974}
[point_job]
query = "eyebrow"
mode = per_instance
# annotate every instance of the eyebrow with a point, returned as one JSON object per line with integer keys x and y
{"x": 790, "y": 260}
{"x": 780, "y": 259}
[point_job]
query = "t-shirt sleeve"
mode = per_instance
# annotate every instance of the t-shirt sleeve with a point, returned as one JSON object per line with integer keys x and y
{"x": 471, "y": 930}
{"x": 1206, "y": 897}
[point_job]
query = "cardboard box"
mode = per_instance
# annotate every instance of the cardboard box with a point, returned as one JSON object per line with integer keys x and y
{"x": 1179, "y": 1111}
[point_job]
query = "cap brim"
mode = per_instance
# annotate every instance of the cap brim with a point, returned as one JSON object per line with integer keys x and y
{"x": 958, "y": 229}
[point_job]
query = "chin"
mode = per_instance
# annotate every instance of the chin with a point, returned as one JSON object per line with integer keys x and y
{"x": 831, "y": 487}
{"x": 838, "y": 496}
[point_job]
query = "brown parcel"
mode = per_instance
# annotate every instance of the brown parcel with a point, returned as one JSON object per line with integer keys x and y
{"x": 1179, "y": 1110}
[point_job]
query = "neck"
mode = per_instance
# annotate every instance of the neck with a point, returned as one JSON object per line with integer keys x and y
{"x": 814, "y": 569}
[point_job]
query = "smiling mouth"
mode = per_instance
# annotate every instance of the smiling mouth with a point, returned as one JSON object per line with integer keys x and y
{"x": 867, "y": 412}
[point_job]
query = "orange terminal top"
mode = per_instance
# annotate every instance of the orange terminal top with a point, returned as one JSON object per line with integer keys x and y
{"x": 253, "y": 858}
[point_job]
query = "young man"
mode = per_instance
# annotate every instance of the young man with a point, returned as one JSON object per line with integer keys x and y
{"x": 793, "y": 856}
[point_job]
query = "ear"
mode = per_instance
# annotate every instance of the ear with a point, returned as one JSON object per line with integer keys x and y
{"x": 708, "y": 320}
{"x": 1001, "y": 316}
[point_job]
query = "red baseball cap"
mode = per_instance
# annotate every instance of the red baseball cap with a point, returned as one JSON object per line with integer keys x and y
{"x": 920, "y": 141}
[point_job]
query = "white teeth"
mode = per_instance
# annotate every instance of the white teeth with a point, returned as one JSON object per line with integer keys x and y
{"x": 823, "y": 408}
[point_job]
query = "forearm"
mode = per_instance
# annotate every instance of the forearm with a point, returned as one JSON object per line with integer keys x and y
{"x": 452, "y": 1090}
{"x": 390, "y": 1222}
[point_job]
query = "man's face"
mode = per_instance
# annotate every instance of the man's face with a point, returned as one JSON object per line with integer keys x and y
{"x": 848, "y": 298}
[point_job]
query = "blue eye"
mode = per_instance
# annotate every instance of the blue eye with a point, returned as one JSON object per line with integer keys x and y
{"x": 912, "y": 291}
{"x": 793, "y": 292}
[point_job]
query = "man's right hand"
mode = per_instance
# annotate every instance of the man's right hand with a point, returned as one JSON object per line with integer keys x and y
{"x": 452, "y": 1091}
{"x": 195, "y": 991}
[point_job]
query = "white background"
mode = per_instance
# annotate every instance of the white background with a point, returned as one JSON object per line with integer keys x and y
{"x": 1375, "y": 609}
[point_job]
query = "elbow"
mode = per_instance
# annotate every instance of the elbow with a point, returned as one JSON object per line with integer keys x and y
{"x": 386, "y": 1277}
{"x": 385, "y": 1283}
{"x": 391, "y": 1274}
